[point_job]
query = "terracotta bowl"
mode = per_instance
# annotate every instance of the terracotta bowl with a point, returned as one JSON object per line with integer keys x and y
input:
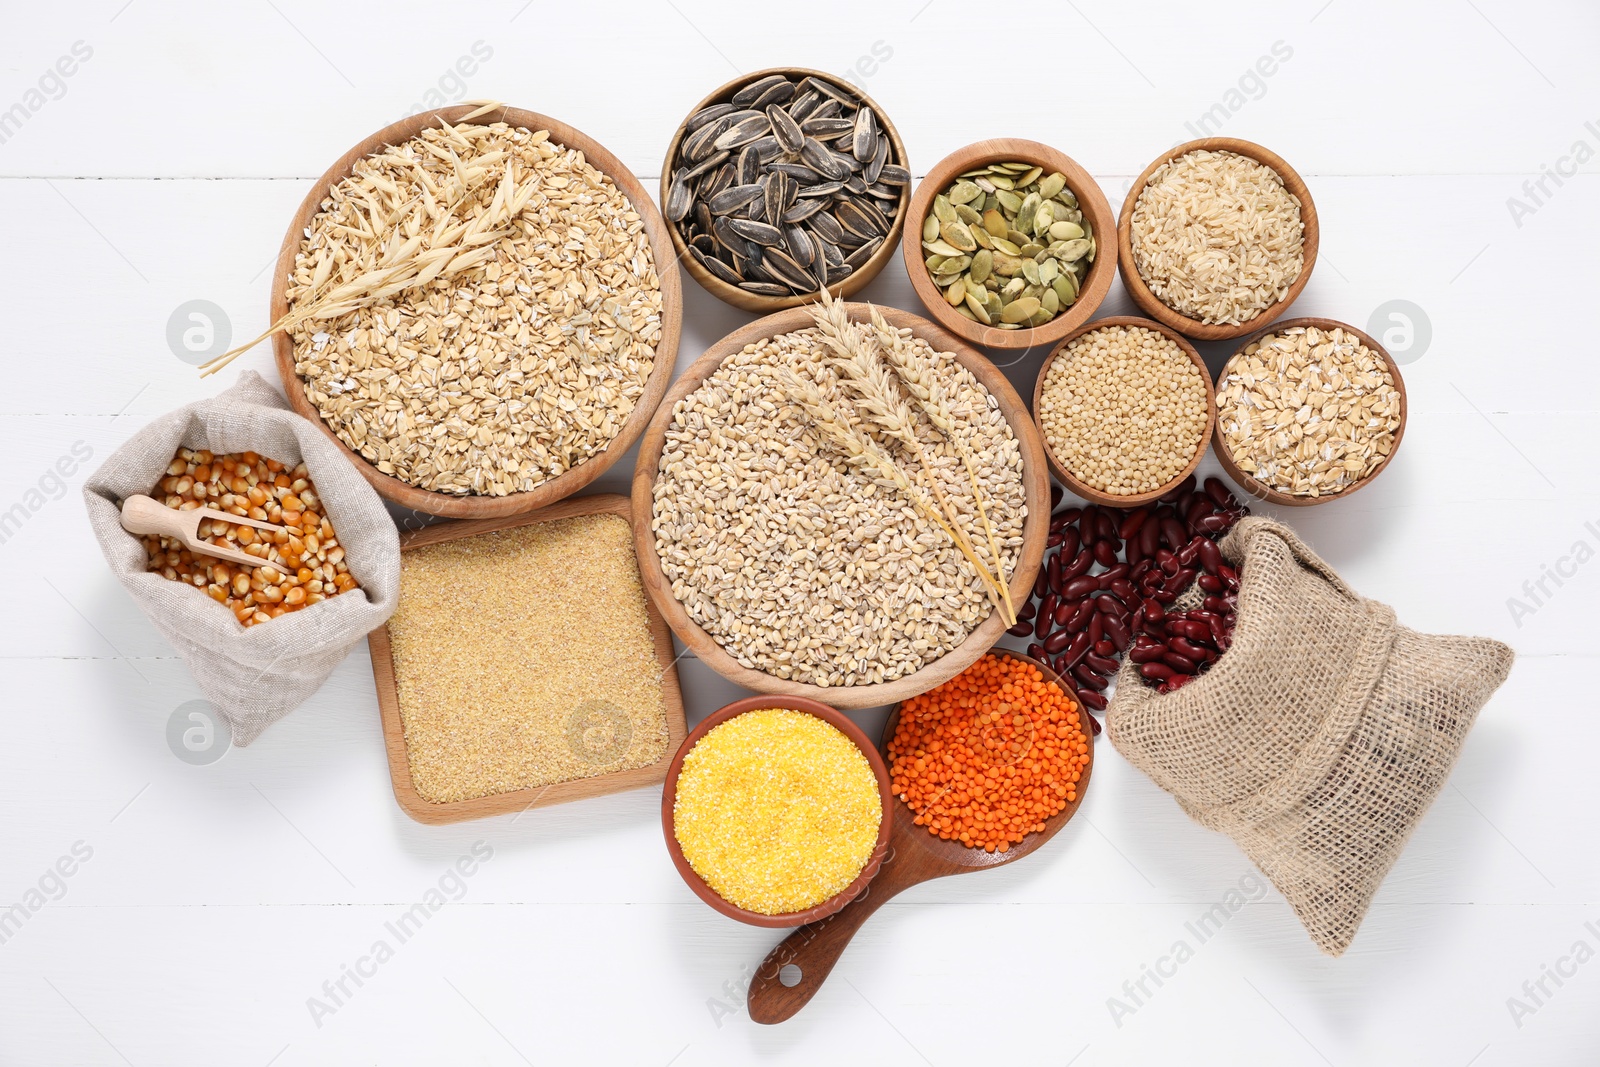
{"x": 1090, "y": 199}
{"x": 743, "y": 298}
{"x": 1151, "y": 305}
{"x": 452, "y": 505}
{"x": 1036, "y": 486}
{"x": 1261, "y": 490}
{"x": 833, "y": 718}
{"x": 1066, "y": 476}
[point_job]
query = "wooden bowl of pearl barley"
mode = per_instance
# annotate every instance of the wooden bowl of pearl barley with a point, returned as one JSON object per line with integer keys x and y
{"x": 1124, "y": 439}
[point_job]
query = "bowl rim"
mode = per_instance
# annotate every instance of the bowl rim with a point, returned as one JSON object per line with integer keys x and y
{"x": 1070, "y": 480}
{"x": 449, "y": 505}
{"x": 832, "y": 717}
{"x": 1152, "y": 306}
{"x": 1091, "y": 199}
{"x": 1260, "y": 490}
{"x": 1036, "y": 489}
{"x": 741, "y": 298}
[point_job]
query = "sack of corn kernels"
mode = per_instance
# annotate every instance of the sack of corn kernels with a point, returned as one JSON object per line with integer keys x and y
{"x": 258, "y": 641}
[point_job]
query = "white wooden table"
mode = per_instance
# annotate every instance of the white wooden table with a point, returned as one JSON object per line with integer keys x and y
{"x": 1450, "y": 148}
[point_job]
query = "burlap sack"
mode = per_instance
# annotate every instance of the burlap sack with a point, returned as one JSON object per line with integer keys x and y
{"x": 252, "y": 676}
{"x": 1320, "y": 738}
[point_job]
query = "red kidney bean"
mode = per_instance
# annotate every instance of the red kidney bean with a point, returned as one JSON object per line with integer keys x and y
{"x": 1210, "y": 583}
{"x": 1173, "y": 533}
{"x": 1149, "y": 539}
{"x": 1212, "y": 524}
{"x": 1063, "y": 613}
{"x": 1086, "y": 676}
{"x": 1195, "y": 510}
{"x": 1103, "y": 664}
{"x": 1186, "y": 555}
{"x": 1042, "y": 583}
{"x": 1104, "y": 554}
{"x": 1146, "y": 653}
{"x": 1080, "y": 587}
{"x": 1105, "y": 527}
{"x": 1154, "y": 670}
{"x": 1055, "y": 496}
{"x": 1142, "y": 568}
{"x": 1082, "y": 612}
{"x": 1110, "y": 604}
{"x": 1131, "y": 523}
{"x": 1211, "y": 557}
{"x": 1206, "y": 616}
{"x": 1229, "y": 576}
{"x": 1037, "y": 651}
{"x": 1076, "y": 650}
{"x": 1180, "y": 663}
{"x": 1052, "y": 567}
{"x": 1118, "y": 632}
{"x": 1164, "y": 596}
{"x": 1095, "y": 700}
{"x": 1097, "y": 628}
{"x": 1122, "y": 588}
{"x": 1053, "y": 541}
{"x": 1080, "y": 565}
{"x": 1182, "y": 580}
{"x": 1061, "y": 518}
{"x": 1185, "y": 486}
{"x": 1216, "y": 604}
{"x": 1057, "y": 664}
{"x": 1153, "y": 611}
{"x": 1047, "y": 606}
{"x": 1042, "y": 625}
{"x": 1088, "y": 525}
{"x": 1186, "y": 648}
{"x": 1220, "y": 634}
{"x": 1026, "y": 611}
{"x": 1219, "y": 493}
{"x": 1021, "y": 629}
{"x": 1105, "y": 648}
{"x": 1111, "y": 574}
{"x": 1194, "y": 631}
{"x": 1057, "y": 642}
{"x": 1069, "y": 542}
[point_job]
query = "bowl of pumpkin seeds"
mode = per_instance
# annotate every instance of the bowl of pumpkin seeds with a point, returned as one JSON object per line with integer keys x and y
{"x": 782, "y": 182}
{"x": 1003, "y": 243}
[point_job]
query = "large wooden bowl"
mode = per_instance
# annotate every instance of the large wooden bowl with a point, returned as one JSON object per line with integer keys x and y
{"x": 669, "y": 797}
{"x": 1260, "y": 489}
{"x": 1070, "y": 480}
{"x": 1036, "y": 487}
{"x": 1151, "y": 305}
{"x": 453, "y": 505}
{"x": 1090, "y": 199}
{"x": 743, "y": 298}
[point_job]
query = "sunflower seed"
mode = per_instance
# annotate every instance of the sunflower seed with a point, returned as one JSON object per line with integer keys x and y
{"x": 857, "y": 259}
{"x": 823, "y": 161}
{"x": 747, "y": 95}
{"x": 679, "y": 200}
{"x": 707, "y": 114}
{"x": 780, "y": 92}
{"x": 827, "y": 128}
{"x": 827, "y": 227}
{"x": 765, "y": 288}
{"x": 787, "y": 130}
{"x": 865, "y": 140}
{"x": 716, "y": 268}
{"x": 733, "y": 198}
{"x": 761, "y": 233}
{"x": 880, "y": 156}
{"x": 744, "y": 131}
{"x": 804, "y": 209}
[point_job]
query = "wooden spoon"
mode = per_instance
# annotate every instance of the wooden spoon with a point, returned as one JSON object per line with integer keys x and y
{"x": 914, "y": 856}
{"x": 142, "y": 515}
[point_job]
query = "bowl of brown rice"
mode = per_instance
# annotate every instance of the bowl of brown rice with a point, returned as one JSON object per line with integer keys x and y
{"x": 517, "y": 313}
{"x": 1217, "y": 237}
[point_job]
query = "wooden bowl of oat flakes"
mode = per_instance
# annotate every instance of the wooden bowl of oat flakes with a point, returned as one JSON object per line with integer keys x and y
{"x": 791, "y": 569}
{"x": 537, "y": 328}
{"x": 1308, "y": 410}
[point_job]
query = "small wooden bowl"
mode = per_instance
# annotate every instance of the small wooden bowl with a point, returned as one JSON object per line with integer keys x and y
{"x": 1066, "y": 476}
{"x": 669, "y": 796}
{"x": 1036, "y": 487}
{"x": 452, "y": 505}
{"x": 743, "y": 298}
{"x": 1260, "y": 490}
{"x": 1090, "y": 199}
{"x": 1151, "y": 305}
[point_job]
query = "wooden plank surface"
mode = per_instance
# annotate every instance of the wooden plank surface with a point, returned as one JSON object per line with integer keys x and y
{"x": 213, "y": 912}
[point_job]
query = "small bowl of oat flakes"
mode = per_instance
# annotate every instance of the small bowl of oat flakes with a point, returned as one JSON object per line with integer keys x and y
{"x": 1216, "y": 238}
{"x": 1308, "y": 410}
{"x": 481, "y": 306}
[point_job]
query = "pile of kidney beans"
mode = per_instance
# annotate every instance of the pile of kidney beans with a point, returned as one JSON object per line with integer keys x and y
{"x": 1110, "y": 575}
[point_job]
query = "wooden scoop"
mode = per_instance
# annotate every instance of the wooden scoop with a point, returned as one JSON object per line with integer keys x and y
{"x": 142, "y": 515}
{"x": 914, "y": 856}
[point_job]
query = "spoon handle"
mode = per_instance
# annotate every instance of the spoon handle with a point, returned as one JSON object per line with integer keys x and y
{"x": 814, "y": 948}
{"x": 142, "y": 515}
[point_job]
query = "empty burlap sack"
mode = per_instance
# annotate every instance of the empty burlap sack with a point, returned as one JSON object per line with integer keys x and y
{"x": 1320, "y": 738}
{"x": 253, "y": 676}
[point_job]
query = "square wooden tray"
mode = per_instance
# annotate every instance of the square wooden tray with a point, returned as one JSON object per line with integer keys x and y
{"x": 394, "y": 739}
